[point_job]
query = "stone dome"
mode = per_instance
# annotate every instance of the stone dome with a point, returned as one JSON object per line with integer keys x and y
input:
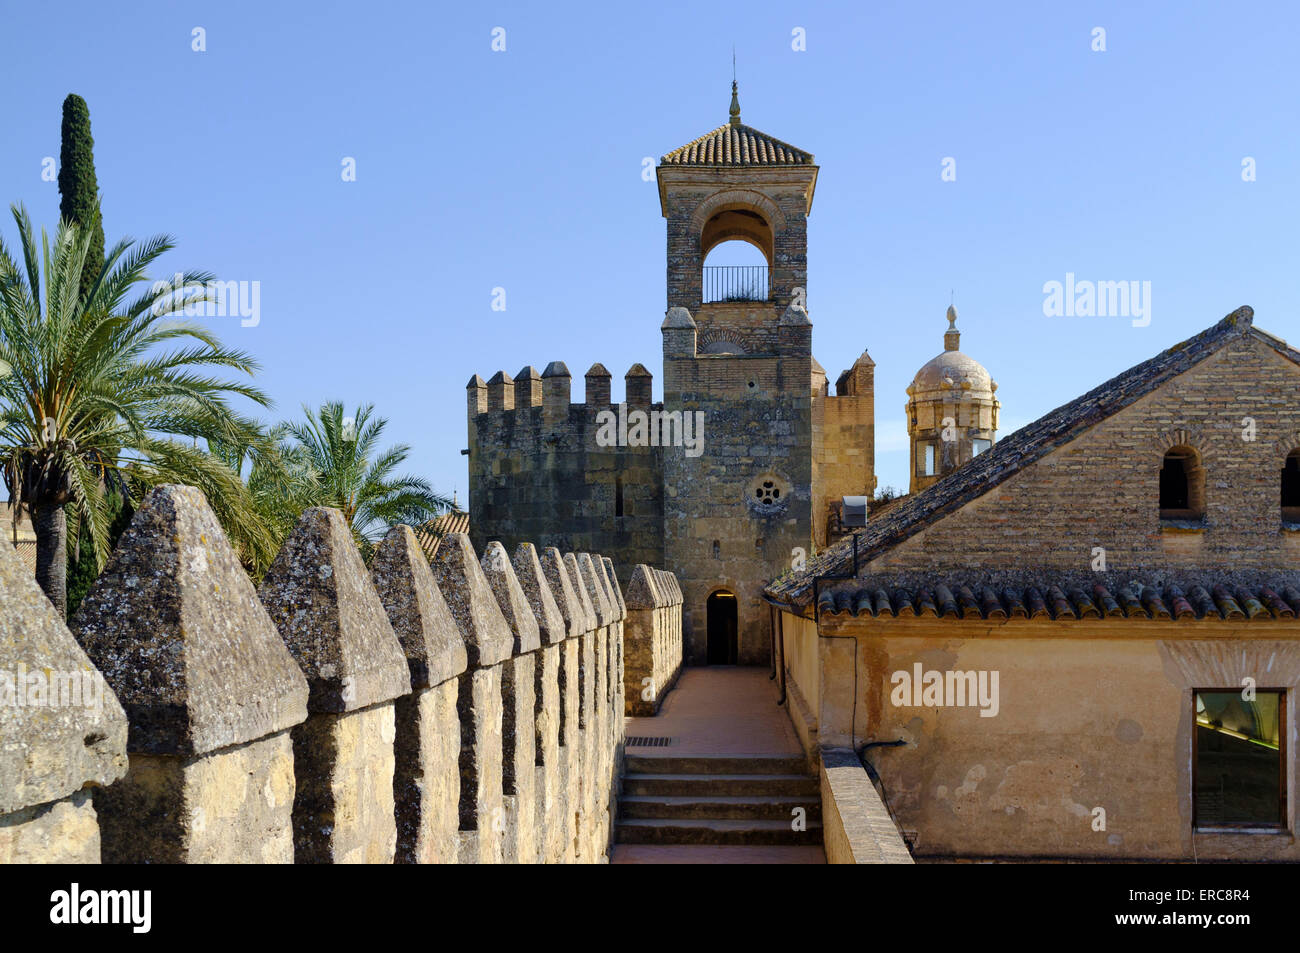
{"x": 952, "y": 368}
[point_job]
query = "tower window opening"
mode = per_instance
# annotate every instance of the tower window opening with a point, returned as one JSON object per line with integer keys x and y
{"x": 1291, "y": 488}
{"x": 737, "y": 265}
{"x": 929, "y": 459}
{"x": 618, "y": 496}
{"x": 979, "y": 445}
{"x": 1181, "y": 487}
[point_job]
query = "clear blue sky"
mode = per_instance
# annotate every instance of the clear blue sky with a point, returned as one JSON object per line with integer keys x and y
{"x": 522, "y": 169}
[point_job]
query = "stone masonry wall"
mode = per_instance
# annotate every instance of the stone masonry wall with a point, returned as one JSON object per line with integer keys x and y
{"x": 718, "y": 534}
{"x": 537, "y": 474}
{"x": 653, "y": 640}
{"x": 465, "y": 712}
{"x": 1051, "y": 515}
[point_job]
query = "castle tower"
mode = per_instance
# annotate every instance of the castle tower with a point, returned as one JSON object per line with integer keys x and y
{"x": 737, "y": 359}
{"x": 952, "y": 413}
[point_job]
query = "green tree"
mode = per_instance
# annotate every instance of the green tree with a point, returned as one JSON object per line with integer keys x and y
{"x": 78, "y": 187}
{"x": 95, "y": 389}
{"x": 83, "y": 567}
{"x": 352, "y": 475}
{"x": 281, "y": 483}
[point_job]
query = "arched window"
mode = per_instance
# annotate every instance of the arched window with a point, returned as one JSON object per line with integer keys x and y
{"x": 736, "y": 246}
{"x": 1291, "y": 488}
{"x": 1182, "y": 485}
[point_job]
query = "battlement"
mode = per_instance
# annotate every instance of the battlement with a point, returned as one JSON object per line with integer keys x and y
{"x": 545, "y": 469}
{"x": 336, "y": 714}
{"x": 552, "y": 392}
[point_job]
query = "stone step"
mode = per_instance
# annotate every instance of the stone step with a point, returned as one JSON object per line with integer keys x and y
{"x": 719, "y": 785}
{"x": 714, "y": 831}
{"x": 721, "y": 808}
{"x": 723, "y": 764}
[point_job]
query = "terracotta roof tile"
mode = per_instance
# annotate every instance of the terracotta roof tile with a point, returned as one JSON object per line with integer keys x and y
{"x": 957, "y": 602}
{"x": 430, "y": 533}
{"x": 739, "y": 145}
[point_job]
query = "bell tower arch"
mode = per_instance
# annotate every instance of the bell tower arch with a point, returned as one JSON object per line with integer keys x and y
{"x": 738, "y": 359}
{"x": 736, "y": 183}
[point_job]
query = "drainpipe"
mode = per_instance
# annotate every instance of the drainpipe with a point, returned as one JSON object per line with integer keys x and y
{"x": 771, "y": 638}
{"x": 778, "y": 645}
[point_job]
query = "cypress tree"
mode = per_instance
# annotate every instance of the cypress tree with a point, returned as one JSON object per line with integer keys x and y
{"x": 78, "y": 188}
{"x": 78, "y": 191}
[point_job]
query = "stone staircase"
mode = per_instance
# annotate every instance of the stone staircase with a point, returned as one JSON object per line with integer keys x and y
{"x": 718, "y": 800}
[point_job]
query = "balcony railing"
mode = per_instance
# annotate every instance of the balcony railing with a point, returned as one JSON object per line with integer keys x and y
{"x": 736, "y": 283}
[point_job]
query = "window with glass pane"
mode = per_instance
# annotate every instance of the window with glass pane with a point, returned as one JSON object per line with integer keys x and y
{"x": 1240, "y": 754}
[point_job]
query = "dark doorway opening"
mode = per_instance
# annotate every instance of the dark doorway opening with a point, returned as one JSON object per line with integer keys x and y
{"x": 721, "y": 609}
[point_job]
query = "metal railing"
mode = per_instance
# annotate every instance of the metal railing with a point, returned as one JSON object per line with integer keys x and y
{"x": 736, "y": 283}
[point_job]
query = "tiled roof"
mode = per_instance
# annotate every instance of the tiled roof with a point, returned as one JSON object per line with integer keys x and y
{"x": 430, "y": 534}
{"x": 1018, "y": 450}
{"x": 738, "y": 145}
{"x": 1048, "y": 600}
{"x": 26, "y": 541}
{"x": 26, "y": 552}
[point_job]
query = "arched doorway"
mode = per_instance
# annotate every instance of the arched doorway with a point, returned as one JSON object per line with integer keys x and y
{"x": 721, "y": 609}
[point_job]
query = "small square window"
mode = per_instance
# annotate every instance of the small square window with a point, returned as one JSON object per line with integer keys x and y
{"x": 1239, "y": 760}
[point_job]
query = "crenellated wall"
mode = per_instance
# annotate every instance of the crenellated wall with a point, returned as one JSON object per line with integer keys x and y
{"x": 539, "y": 474}
{"x": 653, "y": 639}
{"x": 465, "y": 712}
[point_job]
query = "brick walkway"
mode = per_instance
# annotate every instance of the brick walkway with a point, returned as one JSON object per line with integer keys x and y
{"x": 719, "y": 711}
{"x": 716, "y": 713}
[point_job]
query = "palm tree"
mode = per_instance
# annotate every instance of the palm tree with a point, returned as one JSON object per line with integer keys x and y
{"x": 92, "y": 401}
{"x": 281, "y": 482}
{"x": 351, "y": 477}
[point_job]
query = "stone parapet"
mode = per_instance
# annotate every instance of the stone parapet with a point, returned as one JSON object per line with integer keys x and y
{"x": 652, "y": 639}
{"x": 321, "y": 598}
{"x": 209, "y": 689}
{"x": 464, "y": 711}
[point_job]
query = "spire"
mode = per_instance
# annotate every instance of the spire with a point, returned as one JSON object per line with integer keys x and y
{"x": 952, "y": 337}
{"x": 735, "y": 105}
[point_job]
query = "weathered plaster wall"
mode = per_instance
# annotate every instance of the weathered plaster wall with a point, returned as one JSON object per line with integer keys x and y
{"x": 1101, "y": 716}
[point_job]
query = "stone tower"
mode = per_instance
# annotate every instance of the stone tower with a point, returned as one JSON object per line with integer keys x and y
{"x": 739, "y": 473}
{"x": 952, "y": 413}
{"x": 737, "y": 349}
